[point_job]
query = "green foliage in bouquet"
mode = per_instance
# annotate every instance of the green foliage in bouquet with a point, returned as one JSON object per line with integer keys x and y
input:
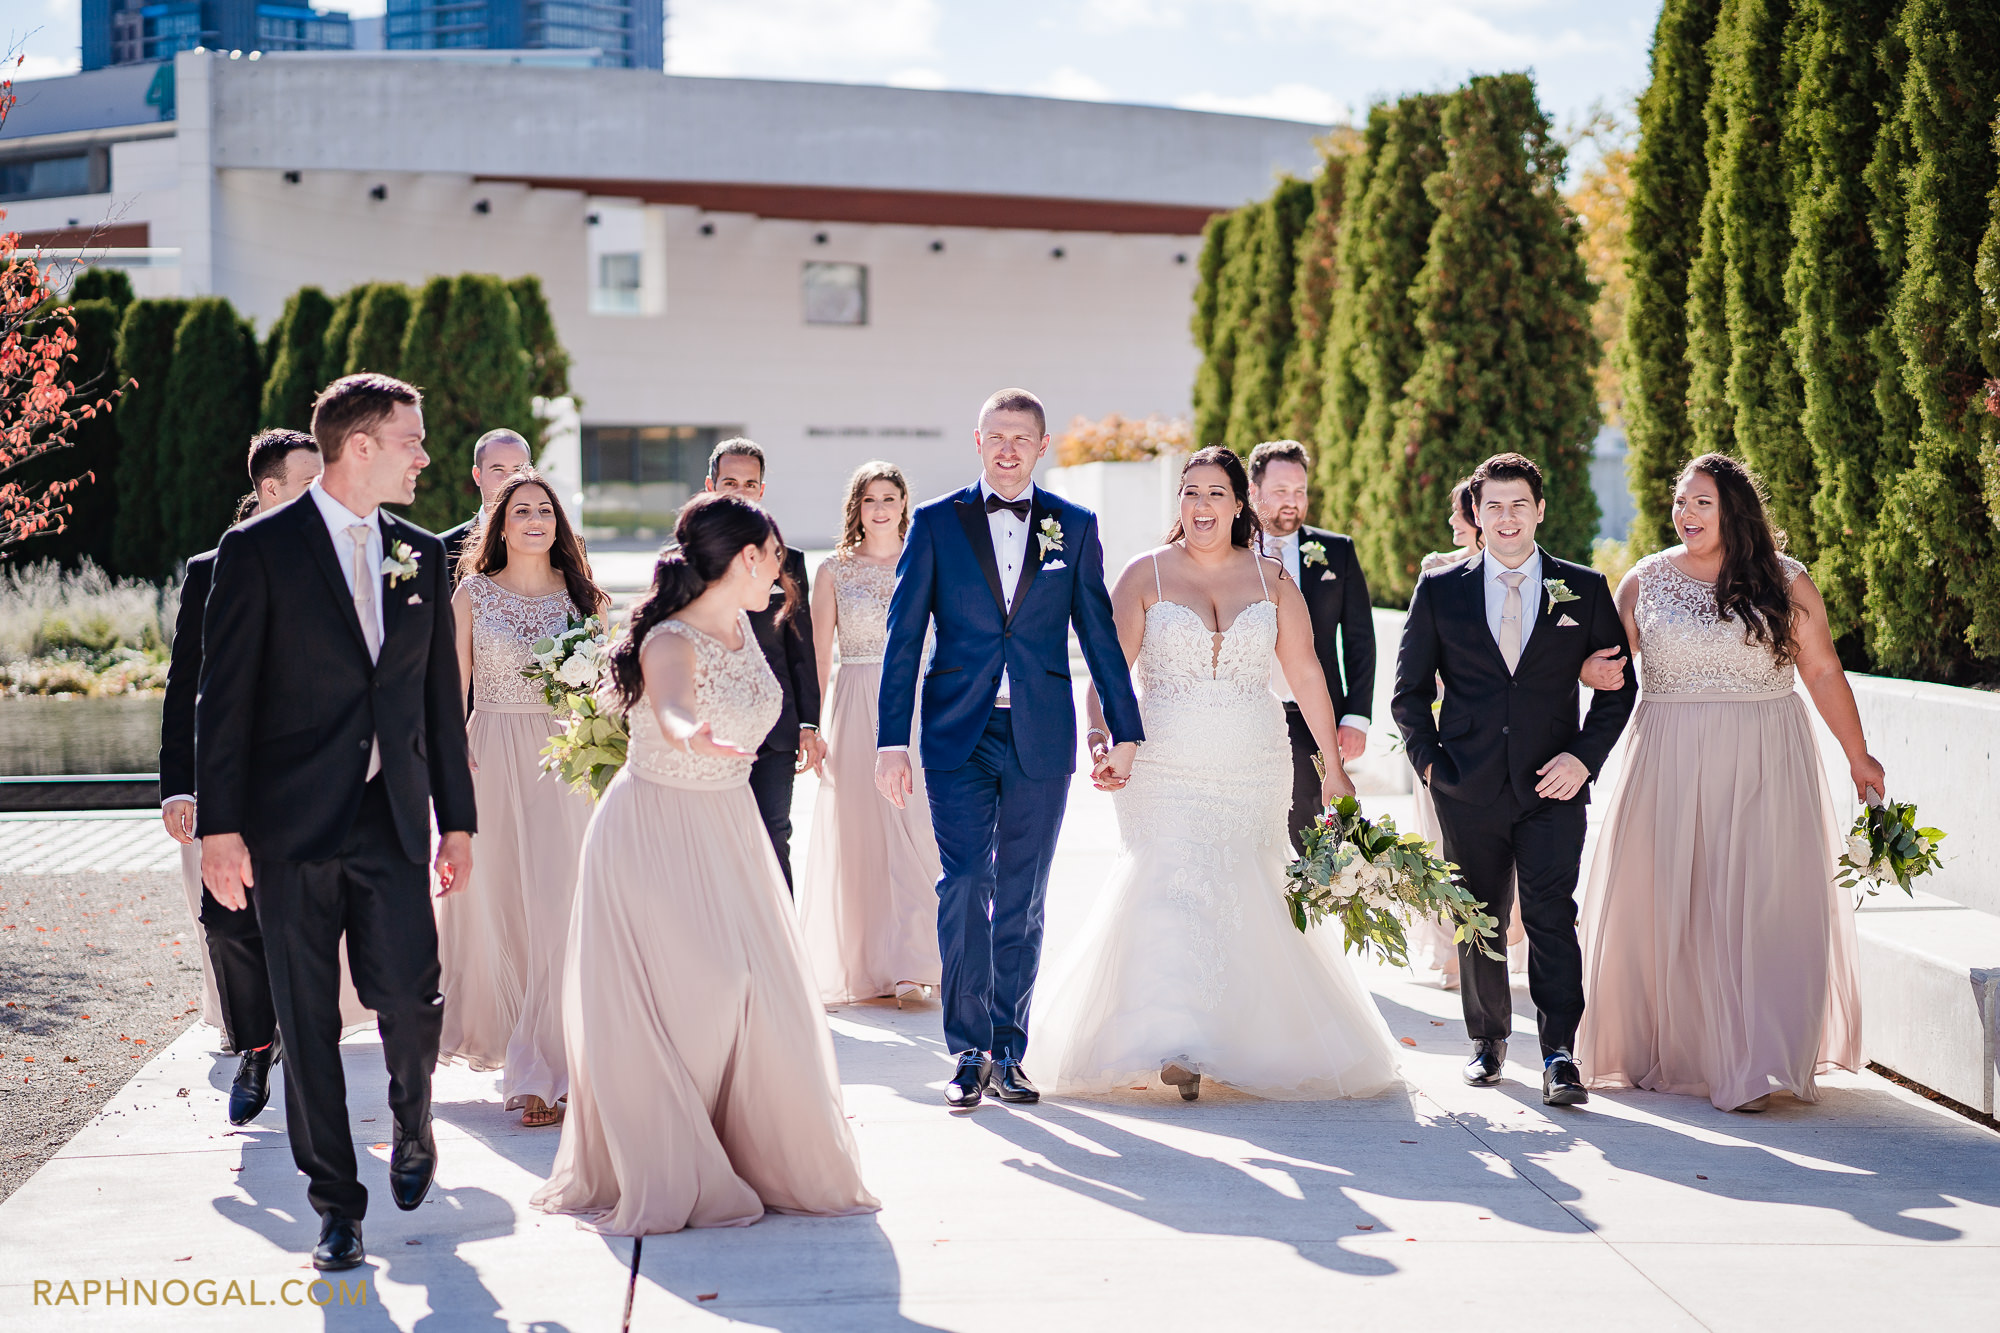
{"x": 590, "y": 749}
{"x": 1370, "y": 877}
{"x": 1885, "y": 846}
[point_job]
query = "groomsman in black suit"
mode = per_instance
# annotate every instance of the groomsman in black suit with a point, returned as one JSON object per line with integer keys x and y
{"x": 793, "y": 745}
{"x": 1507, "y": 764}
{"x": 282, "y": 464}
{"x": 1324, "y": 566}
{"x": 330, "y": 723}
{"x": 496, "y": 457}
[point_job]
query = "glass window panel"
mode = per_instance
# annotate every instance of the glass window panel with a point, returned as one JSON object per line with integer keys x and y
{"x": 836, "y": 293}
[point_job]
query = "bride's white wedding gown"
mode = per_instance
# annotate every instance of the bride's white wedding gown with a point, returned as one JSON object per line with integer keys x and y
{"x": 1190, "y": 955}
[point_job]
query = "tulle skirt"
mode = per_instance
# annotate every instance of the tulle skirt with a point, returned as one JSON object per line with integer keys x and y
{"x": 1719, "y": 953}
{"x": 702, "y": 1082}
{"x": 868, "y": 900}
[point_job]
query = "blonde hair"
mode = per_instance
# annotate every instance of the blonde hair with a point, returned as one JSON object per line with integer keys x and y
{"x": 857, "y": 486}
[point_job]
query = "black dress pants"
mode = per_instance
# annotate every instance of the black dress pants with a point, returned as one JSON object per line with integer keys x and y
{"x": 380, "y": 900}
{"x": 1305, "y": 778}
{"x": 242, "y": 981}
{"x": 771, "y": 779}
{"x": 1489, "y": 842}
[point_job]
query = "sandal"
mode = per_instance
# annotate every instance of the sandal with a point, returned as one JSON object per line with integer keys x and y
{"x": 1179, "y": 1076}
{"x": 538, "y": 1113}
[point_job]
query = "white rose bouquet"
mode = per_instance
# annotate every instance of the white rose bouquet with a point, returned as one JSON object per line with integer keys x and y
{"x": 1373, "y": 879}
{"x": 590, "y": 749}
{"x": 1885, "y": 846}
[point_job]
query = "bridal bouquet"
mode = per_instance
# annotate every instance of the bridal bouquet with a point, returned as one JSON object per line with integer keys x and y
{"x": 1885, "y": 846}
{"x": 590, "y": 749}
{"x": 1370, "y": 877}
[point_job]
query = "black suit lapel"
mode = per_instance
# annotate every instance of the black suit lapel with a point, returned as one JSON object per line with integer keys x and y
{"x": 1545, "y": 616}
{"x": 1471, "y": 580}
{"x": 320, "y": 542}
{"x": 972, "y": 517}
{"x": 1031, "y": 562}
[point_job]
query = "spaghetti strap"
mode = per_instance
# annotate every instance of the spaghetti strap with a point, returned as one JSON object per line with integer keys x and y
{"x": 1158, "y": 595}
{"x": 1259, "y": 557}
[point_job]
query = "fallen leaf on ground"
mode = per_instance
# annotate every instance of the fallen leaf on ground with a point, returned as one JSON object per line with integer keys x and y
{"x": 708, "y": 1296}
{"x": 1701, "y": 1177}
{"x": 1359, "y": 1227}
{"x": 1408, "y": 1041}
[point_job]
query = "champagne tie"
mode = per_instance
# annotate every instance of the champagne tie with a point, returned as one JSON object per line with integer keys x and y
{"x": 365, "y": 580}
{"x": 1510, "y": 619}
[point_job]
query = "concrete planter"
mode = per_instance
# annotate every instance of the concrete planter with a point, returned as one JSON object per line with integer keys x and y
{"x": 1135, "y": 503}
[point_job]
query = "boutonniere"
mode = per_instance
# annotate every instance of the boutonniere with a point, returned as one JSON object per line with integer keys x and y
{"x": 1558, "y": 592}
{"x": 1050, "y": 535}
{"x": 399, "y": 564}
{"x": 1312, "y": 553}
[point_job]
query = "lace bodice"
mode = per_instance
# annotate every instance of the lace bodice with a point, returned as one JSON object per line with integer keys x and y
{"x": 505, "y": 626}
{"x": 734, "y": 692}
{"x": 861, "y": 593}
{"x": 1687, "y": 647}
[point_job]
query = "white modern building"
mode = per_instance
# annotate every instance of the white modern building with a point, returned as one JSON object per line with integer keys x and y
{"x": 840, "y": 272}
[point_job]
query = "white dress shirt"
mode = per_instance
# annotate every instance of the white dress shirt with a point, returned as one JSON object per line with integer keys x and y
{"x": 1286, "y": 549}
{"x": 1010, "y": 553}
{"x": 1496, "y": 594}
{"x": 339, "y": 518}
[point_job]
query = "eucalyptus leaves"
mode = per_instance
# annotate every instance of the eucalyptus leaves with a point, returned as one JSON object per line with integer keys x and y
{"x": 590, "y": 749}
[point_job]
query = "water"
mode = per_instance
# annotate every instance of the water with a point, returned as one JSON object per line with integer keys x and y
{"x": 50, "y": 737}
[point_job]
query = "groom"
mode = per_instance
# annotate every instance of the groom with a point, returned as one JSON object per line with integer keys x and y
{"x": 330, "y": 722}
{"x": 1004, "y": 569}
{"x": 1507, "y": 765}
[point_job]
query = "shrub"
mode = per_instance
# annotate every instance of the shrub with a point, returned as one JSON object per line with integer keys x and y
{"x": 139, "y": 545}
{"x": 205, "y": 425}
{"x": 463, "y": 349}
{"x": 297, "y": 365}
{"x": 1118, "y": 439}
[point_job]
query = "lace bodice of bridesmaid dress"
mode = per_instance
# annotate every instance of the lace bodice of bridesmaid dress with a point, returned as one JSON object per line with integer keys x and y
{"x": 734, "y": 692}
{"x": 861, "y": 593}
{"x": 1687, "y": 647}
{"x": 505, "y": 626}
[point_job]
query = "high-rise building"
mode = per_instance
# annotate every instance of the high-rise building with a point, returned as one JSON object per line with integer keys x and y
{"x": 626, "y": 34}
{"x": 131, "y": 32}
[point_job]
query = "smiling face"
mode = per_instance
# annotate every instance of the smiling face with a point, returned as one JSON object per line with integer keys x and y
{"x": 1281, "y": 497}
{"x": 1009, "y": 444}
{"x": 882, "y": 507}
{"x": 387, "y": 459}
{"x": 1208, "y": 507}
{"x": 1462, "y": 532}
{"x": 530, "y": 521}
{"x": 757, "y": 570}
{"x": 1698, "y": 515}
{"x": 738, "y": 474}
{"x": 1509, "y": 513}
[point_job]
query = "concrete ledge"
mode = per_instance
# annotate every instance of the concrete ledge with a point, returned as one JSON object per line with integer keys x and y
{"x": 1930, "y": 994}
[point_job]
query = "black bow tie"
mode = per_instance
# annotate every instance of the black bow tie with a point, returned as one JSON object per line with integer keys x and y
{"x": 1018, "y": 508}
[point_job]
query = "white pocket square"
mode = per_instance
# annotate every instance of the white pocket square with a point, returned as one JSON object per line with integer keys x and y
{"x": 1054, "y": 564}
{"x": 1566, "y": 621}
{"x": 415, "y": 599}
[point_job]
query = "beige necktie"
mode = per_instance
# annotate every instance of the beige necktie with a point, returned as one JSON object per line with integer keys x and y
{"x": 371, "y": 630}
{"x": 1510, "y": 619}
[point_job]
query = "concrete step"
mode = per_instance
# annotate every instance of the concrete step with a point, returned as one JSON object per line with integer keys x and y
{"x": 1930, "y": 993}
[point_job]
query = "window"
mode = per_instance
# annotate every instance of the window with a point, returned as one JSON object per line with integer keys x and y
{"x": 836, "y": 293}
{"x": 636, "y": 477}
{"x": 46, "y": 177}
{"x": 617, "y": 289}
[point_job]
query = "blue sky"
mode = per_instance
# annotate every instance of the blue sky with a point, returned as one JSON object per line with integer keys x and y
{"x": 1315, "y": 60}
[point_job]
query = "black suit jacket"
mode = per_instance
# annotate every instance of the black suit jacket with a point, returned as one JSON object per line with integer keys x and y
{"x": 1336, "y": 595}
{"x": 454, "y": 544}
{"x": 1495, "y": 729}
{"x": 183, "y": 678}
{"x": 289, "y": 698}
{"x": 789, "y": 650}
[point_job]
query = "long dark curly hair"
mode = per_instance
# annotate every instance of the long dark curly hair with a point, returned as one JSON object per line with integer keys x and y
{"x": 1752, "y": 588}
{"x": 712, "y": 531}
{"x": 485, "y": 549}
{"x": 1246, "y": 527}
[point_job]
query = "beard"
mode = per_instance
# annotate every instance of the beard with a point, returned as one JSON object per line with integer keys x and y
{"x": 1282, "y": 523}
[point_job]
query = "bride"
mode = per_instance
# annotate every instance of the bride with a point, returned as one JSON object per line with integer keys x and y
{"x": 1189, "y": 965}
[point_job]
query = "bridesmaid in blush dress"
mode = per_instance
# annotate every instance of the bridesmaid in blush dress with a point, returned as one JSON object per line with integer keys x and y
{"x": 868, "y": 907}
{"x": 1719, "y": 953}
{"x": 703, "y": 1090}
{"x": 523, "y": 576}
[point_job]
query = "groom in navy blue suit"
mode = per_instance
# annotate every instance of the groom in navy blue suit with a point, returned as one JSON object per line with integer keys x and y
{"x": 1004, "y": 569}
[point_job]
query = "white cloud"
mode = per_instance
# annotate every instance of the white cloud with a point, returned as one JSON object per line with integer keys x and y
{"x": 843, "y": 40}
{"x": 917, "y": 76}
{"x": 1072, "y": 83}
{"x": 1127, "y": 15}
{"x": 1287, "y": 101}
{"x": 1486, "y": 32}
{"x": 40, "y": 66}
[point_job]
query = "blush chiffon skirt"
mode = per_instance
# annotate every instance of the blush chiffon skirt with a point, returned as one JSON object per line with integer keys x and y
{"x": 868, "y": 905}
{"x": 703, "y": 1090}
{"x": 1719, "y": 953}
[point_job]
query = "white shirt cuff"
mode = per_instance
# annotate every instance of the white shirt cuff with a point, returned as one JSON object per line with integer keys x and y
{"x": 892, "y": 749}
{"x": 1355, "y": 720}
{"x": 171, "y": 799}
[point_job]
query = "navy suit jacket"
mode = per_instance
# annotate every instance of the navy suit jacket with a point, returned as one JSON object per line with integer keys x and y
{"x": 949, "y": 573}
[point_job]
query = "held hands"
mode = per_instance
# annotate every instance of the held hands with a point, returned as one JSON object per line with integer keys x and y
{"x": 1111, "y": 768}
{"x": 178, "y": 816}
{"x": 1867, "y": 772}
{"x": 454, "y": 863}
{"x": 1604, "y": 670}
{"x": 225, "y": 869}
{"x": 893, "y": 777}
{"x": 1562, "y": 777}
{"x": 812, "y": 752}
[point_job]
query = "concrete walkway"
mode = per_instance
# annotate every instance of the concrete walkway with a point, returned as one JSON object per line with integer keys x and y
{"x": 1438, "y": 1206}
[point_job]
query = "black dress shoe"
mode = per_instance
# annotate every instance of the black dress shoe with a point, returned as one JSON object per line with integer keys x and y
{"x": 1489, "y": 1056}
{"x": 1010, "y": 1084}
{"x": 1562, "y": 1082}
{"x": 339, "y": 1244}
{"x": 251, "y": 1090}
{"x": 412, "y": 1164}
{"x": 968, "y": 1083}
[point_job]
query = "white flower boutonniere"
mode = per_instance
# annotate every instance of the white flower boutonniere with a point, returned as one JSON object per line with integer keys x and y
{"x": 1050, "y": 535}
{"x": 1312, "y": 553}
{"x": 1558, "y": 592}
{"x": 399, "y": 564}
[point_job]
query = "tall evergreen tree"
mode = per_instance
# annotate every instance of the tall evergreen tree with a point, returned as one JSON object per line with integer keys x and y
{"x": 339, "y": 328}
{"x": 206, "y": 424}
{"x": 1711, "y": 418}
{"x": 381, "y": 330}
{"x": 1669, "y": 183}
{"x": 1988, "y": 277}
{"x": 538, "y": 335}
{"x": 1933, "y": 567}
{"x": 1227, "y": 299}
{"x": 463, "y": 349}
{"x": 1504, "y": 314}
{"x": 1836, "y": 286}
{"x": 297, "y": 366}
{"x": 1267, "y": 335}
{"x": 145, "y": 354}
{"x": 103, "y": 284}
{"x": 1312, "y": 305}
{"x": 1374, "y": 342}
